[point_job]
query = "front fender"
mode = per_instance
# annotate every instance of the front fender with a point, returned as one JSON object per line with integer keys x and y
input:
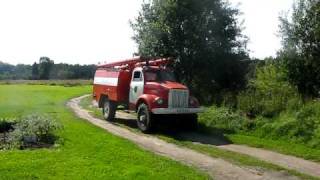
{"x": 148, "y": 99}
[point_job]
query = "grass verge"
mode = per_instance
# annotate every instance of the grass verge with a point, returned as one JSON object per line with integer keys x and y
{"x": 75, "y": 82}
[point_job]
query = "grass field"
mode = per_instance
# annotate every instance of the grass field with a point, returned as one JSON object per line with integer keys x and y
{"x": 75, "y": 82}
{"x": 85, "y": 151}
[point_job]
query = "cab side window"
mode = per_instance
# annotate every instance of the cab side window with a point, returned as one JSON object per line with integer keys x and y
{"x": 137, "y": 76}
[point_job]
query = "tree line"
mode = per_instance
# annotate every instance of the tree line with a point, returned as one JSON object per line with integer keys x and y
{"x": 46, "y": 69}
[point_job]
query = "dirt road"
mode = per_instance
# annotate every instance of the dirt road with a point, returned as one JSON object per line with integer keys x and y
{"x": 286, "y": 161}
{"x": 215, "y": 167}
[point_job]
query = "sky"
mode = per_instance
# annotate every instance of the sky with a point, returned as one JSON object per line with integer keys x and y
{"x": 93, "y": 31}
{"x": 261, "y": 22}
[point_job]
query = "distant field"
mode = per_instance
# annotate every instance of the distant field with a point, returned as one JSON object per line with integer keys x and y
{"x": 49, "y": 82}
{"x": 85, "y": 151}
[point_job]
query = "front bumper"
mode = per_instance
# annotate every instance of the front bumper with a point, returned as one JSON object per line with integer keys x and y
{"x": 177, "y": 110}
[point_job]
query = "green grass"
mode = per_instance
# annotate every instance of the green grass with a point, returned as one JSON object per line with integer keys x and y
{"x": 235, "y": 158}
{"x": 85, "y": 151}
{"x": 75, "y": 82}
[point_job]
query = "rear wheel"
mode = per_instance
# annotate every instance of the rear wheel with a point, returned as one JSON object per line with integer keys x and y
{"x": 144, "y": 120}
{"x": 109, "y": 110}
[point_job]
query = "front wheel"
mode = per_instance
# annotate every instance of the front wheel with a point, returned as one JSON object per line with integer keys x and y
{"x": 144, "y": 120}
{"x": 109, "y": 110}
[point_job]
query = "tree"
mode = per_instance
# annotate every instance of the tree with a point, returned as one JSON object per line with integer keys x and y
{"x": 6, "y": 70}
{"x": 45, "y": 67}
{"x": 203, "y": 36}
{"x": 35, "y": 71}
{"x": 301, "y": 46}
{"x": 56, "y": 71}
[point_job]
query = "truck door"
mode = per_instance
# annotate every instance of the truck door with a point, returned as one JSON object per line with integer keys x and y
{"x": 136, "y": 86}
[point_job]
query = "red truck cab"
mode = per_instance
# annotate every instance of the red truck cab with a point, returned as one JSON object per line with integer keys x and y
{"x": 147, "y": 87}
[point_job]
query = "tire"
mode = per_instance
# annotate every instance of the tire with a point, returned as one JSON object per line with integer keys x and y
{"x": 109, "y": 110}
{"x": 144, "y": 120}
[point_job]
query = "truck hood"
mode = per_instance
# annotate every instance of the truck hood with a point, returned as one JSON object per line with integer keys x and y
{"x": 172, "y": 85}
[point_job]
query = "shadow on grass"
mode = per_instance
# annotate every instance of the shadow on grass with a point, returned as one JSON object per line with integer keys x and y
{"x": 173, "y": 128}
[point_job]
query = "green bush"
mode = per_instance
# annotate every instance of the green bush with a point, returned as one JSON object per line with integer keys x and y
{"x": 308, "y": 121}
{"x": 6, "y": 124}
{"x": 224, "y": 119}
{"x": 269, "y": 93}
{"x": 301, "y": 126}
{"x": 33, "y": 129}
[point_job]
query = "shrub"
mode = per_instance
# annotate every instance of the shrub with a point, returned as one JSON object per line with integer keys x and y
{"x": 224, "y": 119}
{"x": 301, "y": 126}
{"x": 33, "y": 129}
{"x": 6, "y": 124}
{"x": 269, "y": 93}
{"x": 248, "y": 102}
{"x": 308, "y": 120}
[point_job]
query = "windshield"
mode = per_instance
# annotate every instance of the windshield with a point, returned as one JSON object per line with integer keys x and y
{"x": 159, "y": 75}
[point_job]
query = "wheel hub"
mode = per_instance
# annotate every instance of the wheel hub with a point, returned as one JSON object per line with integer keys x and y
{"x": 142, "y": 118}
{"x": 106, "y": 110}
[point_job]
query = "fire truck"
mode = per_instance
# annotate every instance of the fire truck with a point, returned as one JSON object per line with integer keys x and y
{"x": 146, "y": 86}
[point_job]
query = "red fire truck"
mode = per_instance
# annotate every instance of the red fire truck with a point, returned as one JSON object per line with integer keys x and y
{"x": 146, "y": 86}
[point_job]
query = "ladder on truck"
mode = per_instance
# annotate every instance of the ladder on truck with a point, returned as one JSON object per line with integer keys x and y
{"x": 136, "y": 62}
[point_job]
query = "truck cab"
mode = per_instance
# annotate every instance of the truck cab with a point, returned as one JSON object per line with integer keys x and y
{"x": 150, "y": 89}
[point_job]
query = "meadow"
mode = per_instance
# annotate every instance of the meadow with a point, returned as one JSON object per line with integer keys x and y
{"x": 83, "y": 150}
{"x": 58, "y": 82}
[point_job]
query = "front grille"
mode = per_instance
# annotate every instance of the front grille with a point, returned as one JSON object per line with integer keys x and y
{"x": 178, "y": 98}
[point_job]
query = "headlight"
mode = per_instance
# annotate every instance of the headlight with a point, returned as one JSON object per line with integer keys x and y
{"x": 159, "y": 101}
{"x": 191, "y": 101}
